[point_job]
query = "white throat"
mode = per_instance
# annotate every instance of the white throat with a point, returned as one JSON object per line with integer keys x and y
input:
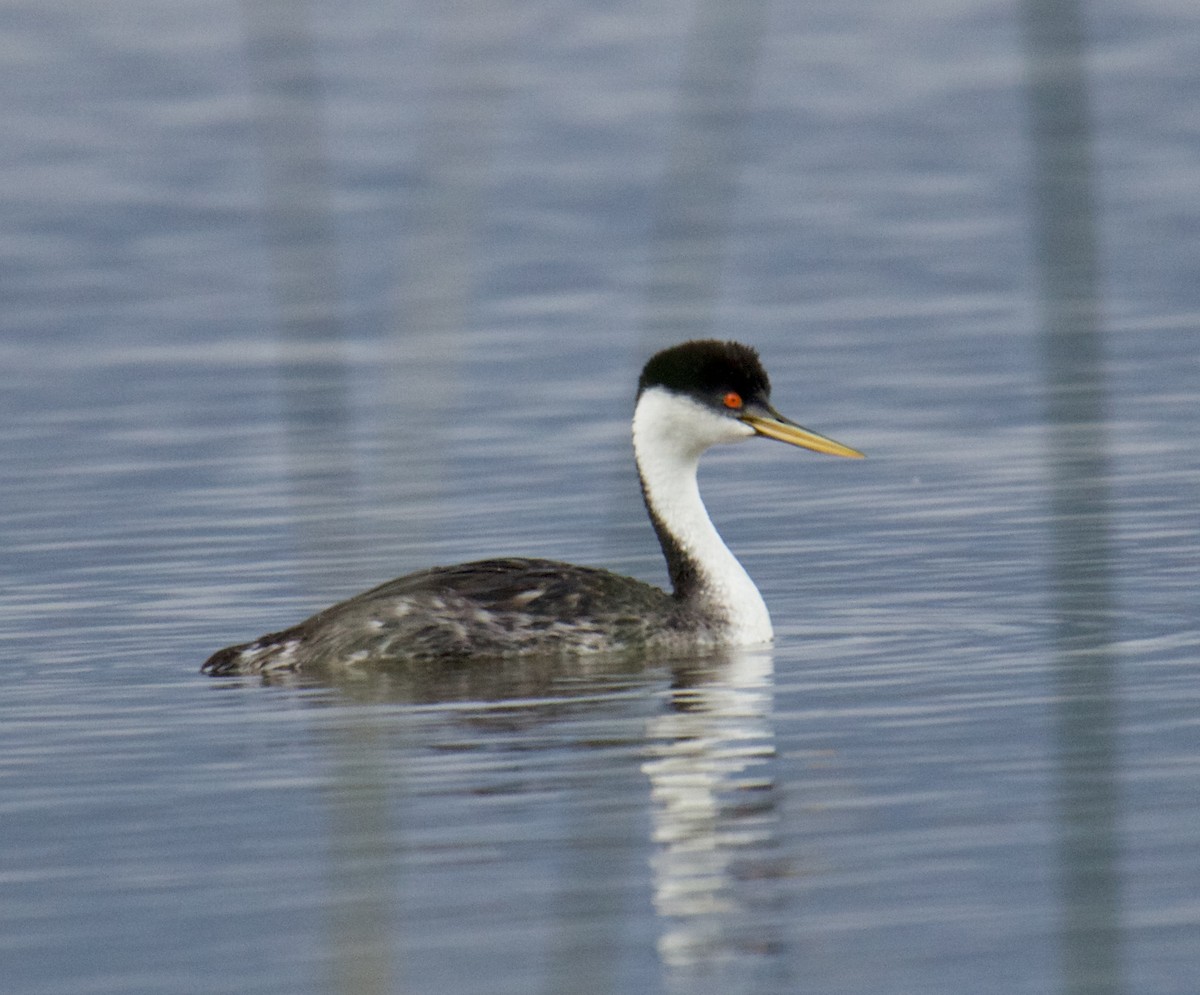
{"x": 670, "y": 432}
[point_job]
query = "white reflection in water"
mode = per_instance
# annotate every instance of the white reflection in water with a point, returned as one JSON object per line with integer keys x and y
{"x": 712, "y": 792}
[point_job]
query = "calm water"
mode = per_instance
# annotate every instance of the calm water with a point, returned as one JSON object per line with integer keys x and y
{"x": 299, "y": 299}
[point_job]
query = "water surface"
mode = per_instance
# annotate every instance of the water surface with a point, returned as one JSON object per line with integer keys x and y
{"x": 299, "y": 302}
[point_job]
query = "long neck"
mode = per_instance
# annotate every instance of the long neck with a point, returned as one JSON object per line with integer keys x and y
{"x": 703, "y": 571}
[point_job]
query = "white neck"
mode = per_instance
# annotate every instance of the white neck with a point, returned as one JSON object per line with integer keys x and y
{"x": 670, "y": 432}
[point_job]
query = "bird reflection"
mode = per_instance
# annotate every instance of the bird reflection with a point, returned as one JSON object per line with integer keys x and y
{"x": 715, "y": 817}
{"x": 484, "y": 681}
{"x": 707, "y": 756}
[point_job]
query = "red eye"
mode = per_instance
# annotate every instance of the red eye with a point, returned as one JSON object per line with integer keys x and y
{"x": 733, "y": 400}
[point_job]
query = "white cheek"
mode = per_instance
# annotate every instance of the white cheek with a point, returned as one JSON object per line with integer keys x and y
{"x": 736, "y": 431}
{"x": 684, "y": 424}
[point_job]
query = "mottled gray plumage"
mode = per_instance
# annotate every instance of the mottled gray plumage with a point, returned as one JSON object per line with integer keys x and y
{"x": 490, "y": 608}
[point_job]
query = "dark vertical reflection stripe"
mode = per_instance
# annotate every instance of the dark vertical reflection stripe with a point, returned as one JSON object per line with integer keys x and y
{"x": 695, "y": 200}
{"x": 463, "y": 94}
{"x": 298, "y": 222}
{"x": 699, "y": 186}
{"x": 362, "y": 880}
{"x": 1086, "y": 721}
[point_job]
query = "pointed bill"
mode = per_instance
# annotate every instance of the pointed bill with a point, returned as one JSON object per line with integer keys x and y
{"x": 775, "y": 426}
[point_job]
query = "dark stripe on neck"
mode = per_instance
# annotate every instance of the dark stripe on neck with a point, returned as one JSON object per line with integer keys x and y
{"x": 682, "y": 569}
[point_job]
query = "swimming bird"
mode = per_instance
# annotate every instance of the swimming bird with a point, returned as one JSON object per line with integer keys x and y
{"x": 689, "y": 397}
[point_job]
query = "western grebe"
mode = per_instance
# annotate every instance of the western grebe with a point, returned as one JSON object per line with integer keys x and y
{"x": 690, "y": 397}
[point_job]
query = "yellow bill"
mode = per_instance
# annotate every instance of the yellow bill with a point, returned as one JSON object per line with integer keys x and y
{"x": 775, "y": 426}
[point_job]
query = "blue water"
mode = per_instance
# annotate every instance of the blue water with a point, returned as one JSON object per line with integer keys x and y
{"x": 296, "y": 300}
